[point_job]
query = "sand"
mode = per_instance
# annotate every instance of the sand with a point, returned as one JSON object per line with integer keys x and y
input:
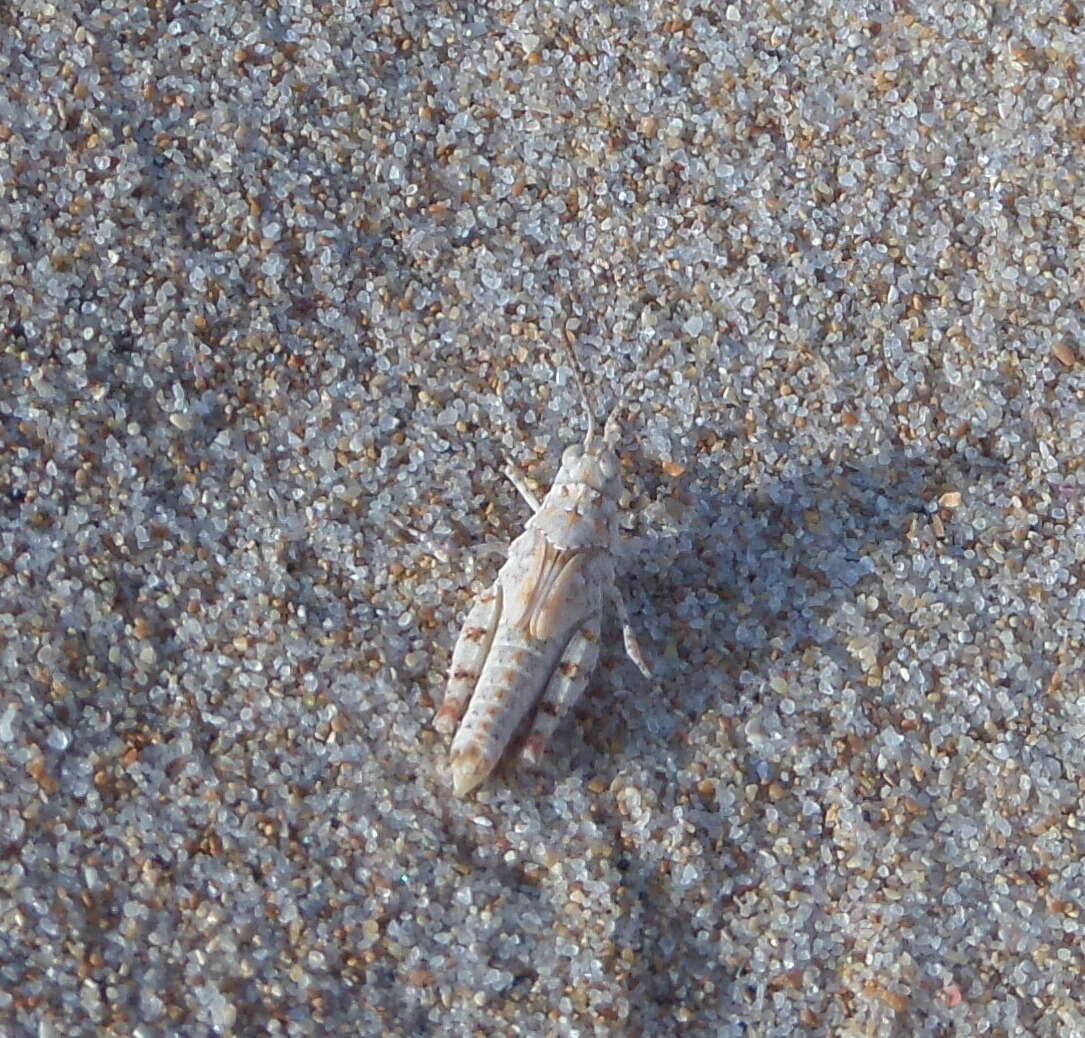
{"x": 283, "y": 288}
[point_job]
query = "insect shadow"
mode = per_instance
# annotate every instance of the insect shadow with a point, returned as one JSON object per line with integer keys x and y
{"x": 745, "y": 581}
{"x": 739, "y": 581}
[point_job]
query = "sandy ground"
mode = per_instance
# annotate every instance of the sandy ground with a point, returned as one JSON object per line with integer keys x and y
{"x": 281, "y": 290}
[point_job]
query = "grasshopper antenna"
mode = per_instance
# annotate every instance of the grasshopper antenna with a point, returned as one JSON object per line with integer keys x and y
{"x": 578, "y": 374}
{"x": 635, "y": 378}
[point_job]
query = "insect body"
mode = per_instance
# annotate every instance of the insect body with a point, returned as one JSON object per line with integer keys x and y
{"x": 531, "y": 640}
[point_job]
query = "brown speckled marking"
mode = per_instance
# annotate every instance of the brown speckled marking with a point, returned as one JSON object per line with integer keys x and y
{"x": 475, "y": 633}
{"x": 533, "y": 748}
{"x": 569, "y": 669}
{"x": 472, "y": 752}
{"x": 446, "y": 713}
{"x": 465, "y": 675}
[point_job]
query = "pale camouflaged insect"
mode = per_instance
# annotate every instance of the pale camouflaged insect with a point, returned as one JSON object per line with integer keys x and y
{"x": 531, "y": 640}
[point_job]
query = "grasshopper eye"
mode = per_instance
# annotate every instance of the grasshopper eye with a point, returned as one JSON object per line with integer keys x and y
{"x": 571, "y": 453}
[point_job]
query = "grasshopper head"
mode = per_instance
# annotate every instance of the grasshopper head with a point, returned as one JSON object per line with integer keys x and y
{"x": 593, "y": 463}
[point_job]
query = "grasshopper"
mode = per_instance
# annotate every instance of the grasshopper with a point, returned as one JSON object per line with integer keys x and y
{"x": 531, "y": 640}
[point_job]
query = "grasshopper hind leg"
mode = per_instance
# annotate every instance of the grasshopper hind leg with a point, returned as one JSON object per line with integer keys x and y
{"x": 629, "y": 636}
{"x": 468, "y": 656}
{"x": 565, "y": 687}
